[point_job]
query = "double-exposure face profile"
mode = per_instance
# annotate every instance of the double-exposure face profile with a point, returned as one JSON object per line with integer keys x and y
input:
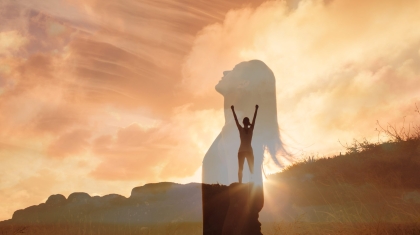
{"x": 248, "y": 84}
{"x": 232, "y": 80}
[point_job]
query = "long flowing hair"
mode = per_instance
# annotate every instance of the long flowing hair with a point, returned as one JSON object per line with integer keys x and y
{"x": 258, "y": 86}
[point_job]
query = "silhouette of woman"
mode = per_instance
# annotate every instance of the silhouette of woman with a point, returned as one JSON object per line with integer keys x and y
{"x": 249, "y": 83}
{"x": 245, "y": 149}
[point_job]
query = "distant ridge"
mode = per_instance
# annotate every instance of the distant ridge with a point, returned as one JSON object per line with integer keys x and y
{"x": 148, "y": 204}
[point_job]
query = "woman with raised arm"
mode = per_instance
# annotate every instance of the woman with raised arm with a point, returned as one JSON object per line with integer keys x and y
{"x": 248, "y": 83}
{"x": 245, "y": 149}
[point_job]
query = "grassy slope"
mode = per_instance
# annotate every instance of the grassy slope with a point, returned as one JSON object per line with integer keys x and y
{"x": 372, "y": 189}
{"x": 391, "y": 165}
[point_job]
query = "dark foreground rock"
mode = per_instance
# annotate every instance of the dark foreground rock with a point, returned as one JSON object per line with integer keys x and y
{"x": 232, "y": 210}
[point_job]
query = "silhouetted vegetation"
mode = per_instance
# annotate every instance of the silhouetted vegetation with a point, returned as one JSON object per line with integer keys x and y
{"x": 394, "y": 163}
{"x": 373, "y": 188}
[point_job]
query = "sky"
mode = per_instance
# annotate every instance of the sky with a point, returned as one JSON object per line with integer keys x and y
{"x": 101, "y": 96}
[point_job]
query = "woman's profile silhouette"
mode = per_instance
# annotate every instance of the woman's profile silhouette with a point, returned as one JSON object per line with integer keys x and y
{"x": 245, "y": 149}
{"x": 249, "y": 83}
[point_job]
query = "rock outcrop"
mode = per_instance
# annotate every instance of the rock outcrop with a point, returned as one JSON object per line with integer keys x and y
{"x": 232, "y": 210}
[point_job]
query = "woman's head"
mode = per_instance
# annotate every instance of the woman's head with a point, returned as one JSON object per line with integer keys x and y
{"x": 246, "y": 122}
{"x": 244, "y": 76}
{"x": 250, "y": 83}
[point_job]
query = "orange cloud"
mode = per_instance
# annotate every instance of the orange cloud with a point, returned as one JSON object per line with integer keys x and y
{"x": 11, "y": 42}
{"x": 70, "y": 143}
{"x": 73, "y": 72}
{"x": 170, "y": 150}
{"x": 28, "y": 191}
{"x": 339, "y": 65}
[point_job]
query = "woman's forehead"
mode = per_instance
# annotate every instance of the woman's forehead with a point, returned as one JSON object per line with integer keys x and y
{"x": 240, "y": 65}
{"x": 239, "y": 69}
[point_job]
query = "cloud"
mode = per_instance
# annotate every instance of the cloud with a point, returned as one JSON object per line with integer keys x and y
{"x": 174, "y": 149}
{"x": 90, "y": 89}
{"x": 74, "y": 63}
{"x": 120, "y": 51}
{"x": 11, "y": 42}
{"x": 339, "y": 65}
{"x": 28, "y": 191}
{"x": 70, "y": 143}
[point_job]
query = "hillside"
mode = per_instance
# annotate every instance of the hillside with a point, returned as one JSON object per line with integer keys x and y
{"x": 391, "y": 165}
{"x": 371, "y": 182}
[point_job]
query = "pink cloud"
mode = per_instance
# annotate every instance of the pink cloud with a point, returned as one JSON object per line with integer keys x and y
{"x": 71, "y": 143}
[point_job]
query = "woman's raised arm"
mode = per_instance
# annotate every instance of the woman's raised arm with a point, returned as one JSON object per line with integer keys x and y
{"x": 255, "y": 115}
{"x": 236, "y": 118}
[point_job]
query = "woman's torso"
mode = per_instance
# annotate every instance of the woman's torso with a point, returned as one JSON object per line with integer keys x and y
{"x": 246, "y": 138}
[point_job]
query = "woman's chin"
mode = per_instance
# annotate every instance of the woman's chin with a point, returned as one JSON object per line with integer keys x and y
{"x": 219, "y": 88}
{"x": 223, "y": 88}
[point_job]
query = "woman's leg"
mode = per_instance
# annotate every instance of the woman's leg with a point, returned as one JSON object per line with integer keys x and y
{"x": 241, "y": 160}
{"x": 250, "y": 160}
